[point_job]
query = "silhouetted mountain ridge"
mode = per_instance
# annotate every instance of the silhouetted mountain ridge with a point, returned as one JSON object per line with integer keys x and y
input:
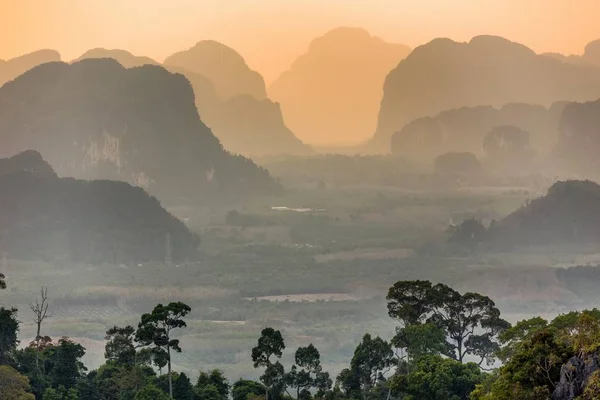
{"x": 568, "y": 213}
{"x": 444, "y": 74}
{"x": 10, "y": 69}
{"x": 96, "y": 119}
{"x": 43, "y": 216}
{"x": 242, "y": 123}
{"x": 333, "y": 91}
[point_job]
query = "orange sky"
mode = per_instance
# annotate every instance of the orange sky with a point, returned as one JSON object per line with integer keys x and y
{"x": 270, "y": 34}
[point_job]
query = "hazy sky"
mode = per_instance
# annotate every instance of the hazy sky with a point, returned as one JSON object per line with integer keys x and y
{"x": 270, "y": 34}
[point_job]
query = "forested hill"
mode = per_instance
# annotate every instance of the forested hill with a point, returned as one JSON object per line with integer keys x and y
{"x": 569, "y": 213}
{"x": 95, "y": 119}
{"x": 46, "y": 217}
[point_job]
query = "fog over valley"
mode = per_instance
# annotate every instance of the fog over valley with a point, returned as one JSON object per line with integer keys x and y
{"x": 384, "y": 202}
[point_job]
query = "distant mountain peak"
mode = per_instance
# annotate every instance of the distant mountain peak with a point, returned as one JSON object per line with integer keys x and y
{"x": 225, "y": 67}
{"x": 332, "y": 92}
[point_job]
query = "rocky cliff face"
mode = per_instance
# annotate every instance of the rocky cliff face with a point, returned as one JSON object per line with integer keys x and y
{"x": 444, "y": 74}
{"x": 333, "y": 91}
{"x": 575, "y": 375}
{"x": 246, "y": 123}
{"x": 96, "y": 119}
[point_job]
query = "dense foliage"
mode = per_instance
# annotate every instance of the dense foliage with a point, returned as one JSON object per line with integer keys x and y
{"x": 440, "y": 332}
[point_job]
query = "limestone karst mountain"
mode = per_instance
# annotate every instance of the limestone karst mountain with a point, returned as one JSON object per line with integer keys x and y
{"x": 223, "y": 66}
{"x": 204, "y": 89}
{"x": 568, "y": 213}
{"x": 45, "y": 217}
{"x": 332, "y": 93}
{"x": 97, "y": 119}
{"x": 579, "y": 139}
{"x": 488, "y": 70}
{"x": 590, "y": 56}
{"x": 246, "y": 123}
{"x": 29, "y": 161}
{"x": 124, "y": 57}
{"x": 10, "y": 69}
{"x": 464, "y": 129}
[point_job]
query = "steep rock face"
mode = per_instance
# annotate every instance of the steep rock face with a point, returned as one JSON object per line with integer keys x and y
{"x": 223, "y": 66}
{"x": 243, "y": 124}
{"x": 333, "y": 91}
{"x": 464, "y": 129}
{"x": 27, "y": 161}
{"x": 47, "y": 217}
{"x": 14, "y": 67}
{"x": 444, "y": 74}
{"x": 96, "y": 119}
{"x": 568, "y": 213}
{"x": 574, "y": 376}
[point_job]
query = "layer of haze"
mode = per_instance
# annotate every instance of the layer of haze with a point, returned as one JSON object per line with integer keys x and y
{"x": 270, "y": 34}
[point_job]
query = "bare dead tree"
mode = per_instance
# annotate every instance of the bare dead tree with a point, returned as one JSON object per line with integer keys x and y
{"x": 40, "y": 312}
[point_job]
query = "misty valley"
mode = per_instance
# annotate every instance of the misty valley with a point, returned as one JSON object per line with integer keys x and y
{"x": 181, "y": 229}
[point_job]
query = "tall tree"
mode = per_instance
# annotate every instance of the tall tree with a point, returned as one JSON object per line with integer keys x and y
{"x": 2, "y": 281}
{"x": 308, "y": 373}
{"x": 372, "y": 359}
{"x": 182, "y": 388}
{"x": 65, "y": 363}
{"x": 119, "y": 346}
{"x": 155, "y": 330}
{"x": 270, "y": 343}
{"x": 40, "y": 313}
{"x": 242, "y": 388}
{"x": 216, "y": 379}
{"x": 9, "y": 329}
{"x": 471, "y": 321}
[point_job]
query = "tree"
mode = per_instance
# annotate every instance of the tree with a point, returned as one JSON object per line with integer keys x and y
{"x": 13, "y": 386}
{"x": 65, "y": 363}
{"x": 533, "y": 369}
{"x": 60, "y": 393}
{"x": 372, "y": 359}
{"x": 242, "y": 388}
{"x": 471, "y": 321}
{"x": 310, "y": 375}
{"x": 469, "y": 233}
{"x": 119, "y": 346}
{"x": 9, "y": 329}
{"x": 40, "y": 312}
{"x": 151, "y": 392}
{"x": 419, "y": 340}
{"x": 514, "y": 336}
{"x": 216, "y": 379}
{"x": 155, "y": 329}
{"x": 435, "y": 377}
{"x": 182, "y": 388}
{"x": 2, "y": 281}
{"x": 270, "y": 343}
